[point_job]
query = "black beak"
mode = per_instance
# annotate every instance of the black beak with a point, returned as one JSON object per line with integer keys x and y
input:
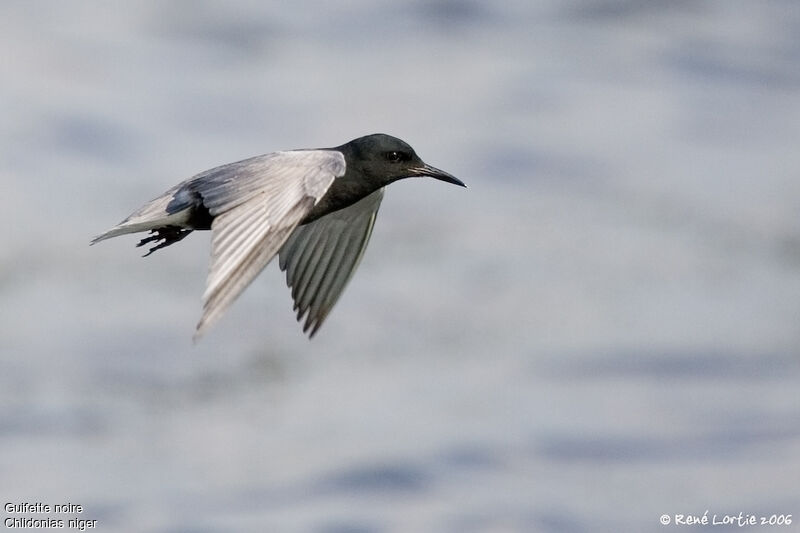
{"x": 433, "y": 172}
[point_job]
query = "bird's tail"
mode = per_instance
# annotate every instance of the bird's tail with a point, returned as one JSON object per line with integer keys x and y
{"x": 162, "y": 216}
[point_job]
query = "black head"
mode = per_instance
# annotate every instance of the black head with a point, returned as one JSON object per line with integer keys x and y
{"x": 385, "y": 159}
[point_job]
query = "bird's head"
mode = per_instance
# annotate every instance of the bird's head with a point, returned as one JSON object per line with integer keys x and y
{"x": 386, "y": 159}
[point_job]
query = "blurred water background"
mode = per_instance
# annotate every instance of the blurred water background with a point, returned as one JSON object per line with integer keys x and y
{"x": 603, "y": 329}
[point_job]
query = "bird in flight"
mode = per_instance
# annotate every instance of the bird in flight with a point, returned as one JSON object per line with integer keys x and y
{"x": 314, "y": 208}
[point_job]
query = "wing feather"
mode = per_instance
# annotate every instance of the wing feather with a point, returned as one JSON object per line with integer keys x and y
{"x": 320, "y": 258}
{"x": 257, "y": 203}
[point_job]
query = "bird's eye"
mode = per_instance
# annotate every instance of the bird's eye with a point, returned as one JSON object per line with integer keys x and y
{"x": 396, "y": 157}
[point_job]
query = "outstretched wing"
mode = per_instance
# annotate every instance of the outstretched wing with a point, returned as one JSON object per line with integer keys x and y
{"x": 320, "y": 257}
{"x": 256, "y": 204}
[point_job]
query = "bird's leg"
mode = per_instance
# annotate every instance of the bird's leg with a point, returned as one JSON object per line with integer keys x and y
{"x": 169, "y": 234}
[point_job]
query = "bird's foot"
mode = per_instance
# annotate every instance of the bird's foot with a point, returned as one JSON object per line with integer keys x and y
{"x": 169, "y": 234}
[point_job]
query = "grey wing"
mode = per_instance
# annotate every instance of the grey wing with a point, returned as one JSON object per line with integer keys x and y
{"x": 256, "y": 203}
{"x": 320, "y": 257}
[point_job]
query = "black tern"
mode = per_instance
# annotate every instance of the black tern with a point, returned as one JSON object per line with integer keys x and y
{"x": 314, "y": 208}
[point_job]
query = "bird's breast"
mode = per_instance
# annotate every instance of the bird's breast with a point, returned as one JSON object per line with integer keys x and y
{"x": 342, "y": 193}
